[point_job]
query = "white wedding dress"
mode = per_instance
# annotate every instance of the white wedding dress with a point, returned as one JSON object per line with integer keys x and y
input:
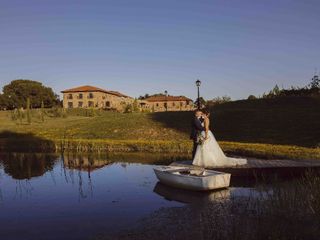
{"x": 209, "y": 154}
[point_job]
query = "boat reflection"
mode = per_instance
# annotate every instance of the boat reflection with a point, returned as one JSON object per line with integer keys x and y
{"x": 190, "y": 197}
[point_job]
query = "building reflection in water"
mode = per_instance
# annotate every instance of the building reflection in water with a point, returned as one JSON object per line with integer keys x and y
{"x": 75, "y": 164}
{"x": 87, "y": 163}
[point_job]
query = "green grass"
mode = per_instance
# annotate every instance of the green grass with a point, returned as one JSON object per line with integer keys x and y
{"x": 270, "y": 128}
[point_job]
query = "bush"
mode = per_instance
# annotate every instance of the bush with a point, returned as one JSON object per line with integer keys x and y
{"x": 218, "y": 100}
{"x": 252, "y": 97}
{"x": 56, "y": 112}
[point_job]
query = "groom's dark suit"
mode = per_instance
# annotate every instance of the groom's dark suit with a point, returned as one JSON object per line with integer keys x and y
{"x": 196, "y": 129}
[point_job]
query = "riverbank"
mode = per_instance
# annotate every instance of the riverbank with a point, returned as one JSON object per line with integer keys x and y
{"x": 264, "y": 151}
{"x": 262, "y": 128}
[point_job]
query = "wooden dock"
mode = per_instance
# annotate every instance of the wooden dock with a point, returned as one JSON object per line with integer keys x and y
{"x": 261, "y": 167}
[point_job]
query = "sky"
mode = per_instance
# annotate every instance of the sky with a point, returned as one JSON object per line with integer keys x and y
{"x": 235, "y": 48}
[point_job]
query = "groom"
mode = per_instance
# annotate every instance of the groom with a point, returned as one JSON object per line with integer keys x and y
{"x": 196, "y": 129}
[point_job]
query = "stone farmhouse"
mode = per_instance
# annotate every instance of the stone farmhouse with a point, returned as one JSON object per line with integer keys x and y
{"x": 93, "y": 97}
{"x": 167, "y": 103}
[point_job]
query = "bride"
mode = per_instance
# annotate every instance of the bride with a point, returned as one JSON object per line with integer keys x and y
{"x": 209, "y": 153}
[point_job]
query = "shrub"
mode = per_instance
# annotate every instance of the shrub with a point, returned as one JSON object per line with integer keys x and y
{"x": 252, "y": 97}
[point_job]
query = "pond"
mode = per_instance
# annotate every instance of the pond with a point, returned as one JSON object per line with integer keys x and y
{"x": 47, "y": 196}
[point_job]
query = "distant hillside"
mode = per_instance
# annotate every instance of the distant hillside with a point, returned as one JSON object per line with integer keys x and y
{"x": 284, "y": 120}
{"x": 287, "y": 120}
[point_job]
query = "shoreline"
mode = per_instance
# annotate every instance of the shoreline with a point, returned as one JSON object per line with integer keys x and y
{"x": 258, "y": 150}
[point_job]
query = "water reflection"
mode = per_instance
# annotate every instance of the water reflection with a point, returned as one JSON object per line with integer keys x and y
{"x": 87, "y": 163}
{"x": 27, "y": 165}
{"x": 92, "y": 193}
{"x": 190, "y": 197}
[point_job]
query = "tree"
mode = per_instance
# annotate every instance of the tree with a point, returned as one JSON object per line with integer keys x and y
{"x": 315, "y": 82}
{"x": 135, "y": 106}
{"x": 276, "y": 90}
{"x": 202, "y": 102}
{"x": 144, "y": 97}
{"x": 17, "y": 92}
{"x": 218, "y": 100}
{"x": 2, "y": 102}
{"x": 128, "y": 108}
{"x": 252, "y": 97}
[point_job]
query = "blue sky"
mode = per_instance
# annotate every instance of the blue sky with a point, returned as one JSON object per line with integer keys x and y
{"x": 236, "y": 48}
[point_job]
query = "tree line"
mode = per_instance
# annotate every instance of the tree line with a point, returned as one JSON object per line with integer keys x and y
{"x": 310, "y": 90}
{"x": 22, "y": 92}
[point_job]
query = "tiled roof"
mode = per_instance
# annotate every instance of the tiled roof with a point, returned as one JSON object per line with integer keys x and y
{"x": 118, "y": 93}
{"x": 88, "y": 88}
{"x": 167, "y": 98}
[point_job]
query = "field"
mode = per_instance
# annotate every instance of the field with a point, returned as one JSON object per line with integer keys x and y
{"x": 270, "y": 128}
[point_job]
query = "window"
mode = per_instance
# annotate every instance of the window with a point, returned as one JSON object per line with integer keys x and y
{"x": 91, "y": 103}
{"x": 80, "y": 104}
{"x": 70, "y": 104}
{"x": 173, "y": 104}
{"x": 80, "y": 96}
{"x": 90, "y": 95}
{"x": 69, "y": 96}
{"x": 108, "y": 104}
{"x": 157, "y": 104}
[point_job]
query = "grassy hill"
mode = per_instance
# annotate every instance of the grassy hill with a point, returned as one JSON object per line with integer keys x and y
{"x": 239, "y": 126}
{"x": 290, "y": 121}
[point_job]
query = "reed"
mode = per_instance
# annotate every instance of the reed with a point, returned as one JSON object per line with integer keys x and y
{"x": 30, "y": 142}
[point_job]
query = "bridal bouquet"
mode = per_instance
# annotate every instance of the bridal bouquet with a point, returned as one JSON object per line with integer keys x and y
{"x": 200, "y": 139}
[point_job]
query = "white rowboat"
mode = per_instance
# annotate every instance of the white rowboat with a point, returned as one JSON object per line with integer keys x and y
{"x": 192, "y": 179}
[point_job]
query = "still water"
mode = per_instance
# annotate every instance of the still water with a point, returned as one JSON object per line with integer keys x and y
{"x": 47, "y": 196}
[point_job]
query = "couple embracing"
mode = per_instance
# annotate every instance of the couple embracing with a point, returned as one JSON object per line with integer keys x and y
{"x": 206, "y": 150}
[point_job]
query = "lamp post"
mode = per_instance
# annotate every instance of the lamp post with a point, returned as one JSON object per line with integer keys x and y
{"x": 166, "y": 103}
{"x": 198, "y": 83}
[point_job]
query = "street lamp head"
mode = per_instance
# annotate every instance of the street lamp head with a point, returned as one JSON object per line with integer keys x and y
{"x": 198, "y": 83}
